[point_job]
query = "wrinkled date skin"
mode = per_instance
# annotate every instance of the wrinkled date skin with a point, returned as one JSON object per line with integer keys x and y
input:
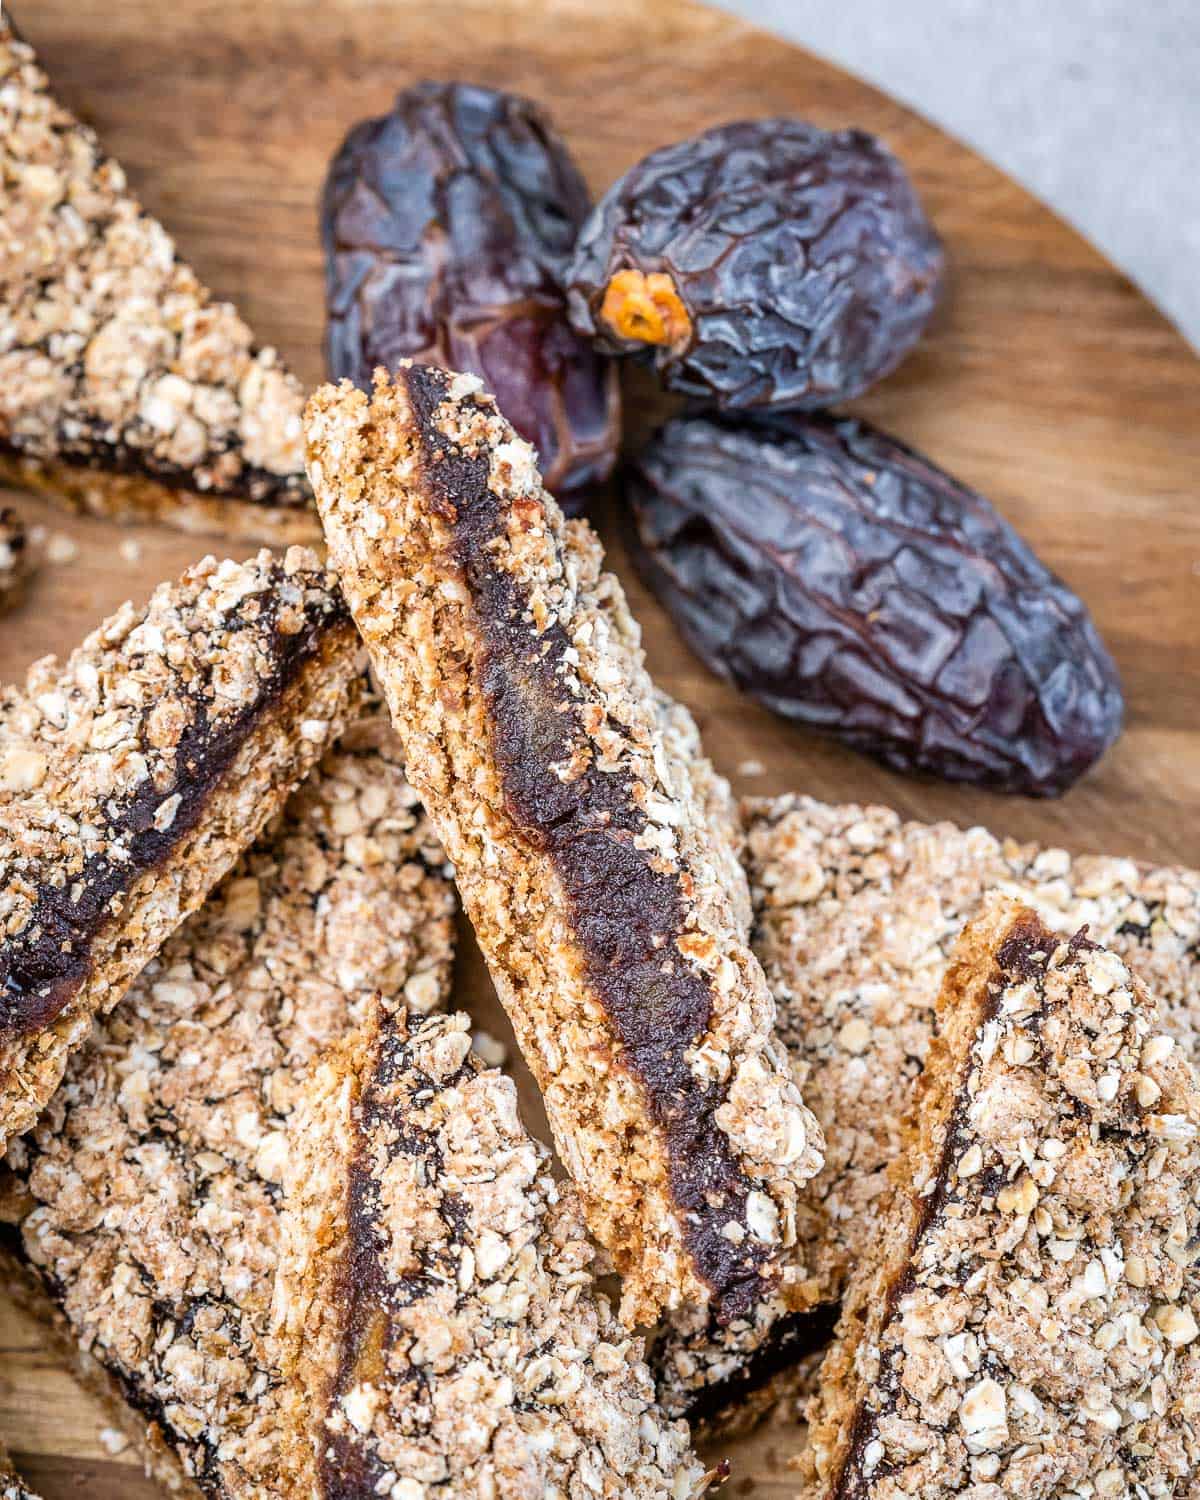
{"x": 844, "y": 581}
{"x": 762, "y": 264}
{"x": 447, "y": 225}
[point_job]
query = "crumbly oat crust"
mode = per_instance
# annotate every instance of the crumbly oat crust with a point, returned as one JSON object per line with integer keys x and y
{"x": 133, "y": 775}
{"x": 683, "y": 751}
{"x": 150, "y": 1192}
{"x": 1025, "y": 1324}
{"x": 125, "y": 389}
{"x": 856, "y": 914}
{"x": 515, "y": 676}
{"x": 436, "y": 1295}
{"x": 18, "y": 558}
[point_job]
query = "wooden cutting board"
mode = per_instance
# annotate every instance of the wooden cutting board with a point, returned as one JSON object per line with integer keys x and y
{"x": 1048, "y": 381}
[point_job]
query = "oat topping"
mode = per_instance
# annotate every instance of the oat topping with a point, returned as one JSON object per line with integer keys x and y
{"x": 445, "y": 1337}
{"x": 152, "y": 1185}
{"x": 135, "y": 773}
{"x": 18, "y": 558}
{"x": 598, "y": 887}
{"x": 683, "y": 753}
{"x": 1025, "y": 1322}
{"x": 124, "y": 387}
{"x": 856, "y": 913}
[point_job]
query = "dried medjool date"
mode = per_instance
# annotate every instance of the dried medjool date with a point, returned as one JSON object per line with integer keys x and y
{"x": 447, "y": 225}
{"x": 847, "y": 582}
{"x": 765, "y": 263}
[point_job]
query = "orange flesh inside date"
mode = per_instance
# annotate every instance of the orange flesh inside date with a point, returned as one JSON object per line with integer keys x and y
{"x": 646, "y": 308}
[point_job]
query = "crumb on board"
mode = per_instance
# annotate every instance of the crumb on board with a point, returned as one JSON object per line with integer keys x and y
{"x": 61, "y": 548}
{"x": 488, "y": 1049}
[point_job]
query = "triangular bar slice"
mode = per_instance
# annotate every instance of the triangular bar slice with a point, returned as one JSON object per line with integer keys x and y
{"x": 1025, "y": 1322}
{"x": 855, "y": 914}
{"x": 133, "y": 775}
{"x": 584, "y": 854}
{"x": 148, "y": 1197}
{"x": 442, "y": 1333}
{"x": 126, "y": 390}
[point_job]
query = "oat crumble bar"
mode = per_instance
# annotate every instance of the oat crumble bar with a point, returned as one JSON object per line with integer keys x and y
{"x": 18, "y": 558}
{"x": 149, "y": 1194}
{"x": 515, "y": 676}
{"x": 125, "y": 389}
{"x": 1025, "y": 1322}
{"x": 134, "y": 774}
{"x": 443, "y": 1336}
{"x": 856, "y": 912}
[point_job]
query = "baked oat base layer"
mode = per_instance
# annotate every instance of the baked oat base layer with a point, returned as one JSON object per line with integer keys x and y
{"x": 135, "y": 498}
{"x": 125, "y": 388}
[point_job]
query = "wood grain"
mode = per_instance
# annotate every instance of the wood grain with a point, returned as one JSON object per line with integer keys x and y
{"x": 1048, "y": 381}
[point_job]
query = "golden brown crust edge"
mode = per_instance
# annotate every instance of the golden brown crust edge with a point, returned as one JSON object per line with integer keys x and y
{"x": 134, "y": 499}
{"x": 963, "y": 1006}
